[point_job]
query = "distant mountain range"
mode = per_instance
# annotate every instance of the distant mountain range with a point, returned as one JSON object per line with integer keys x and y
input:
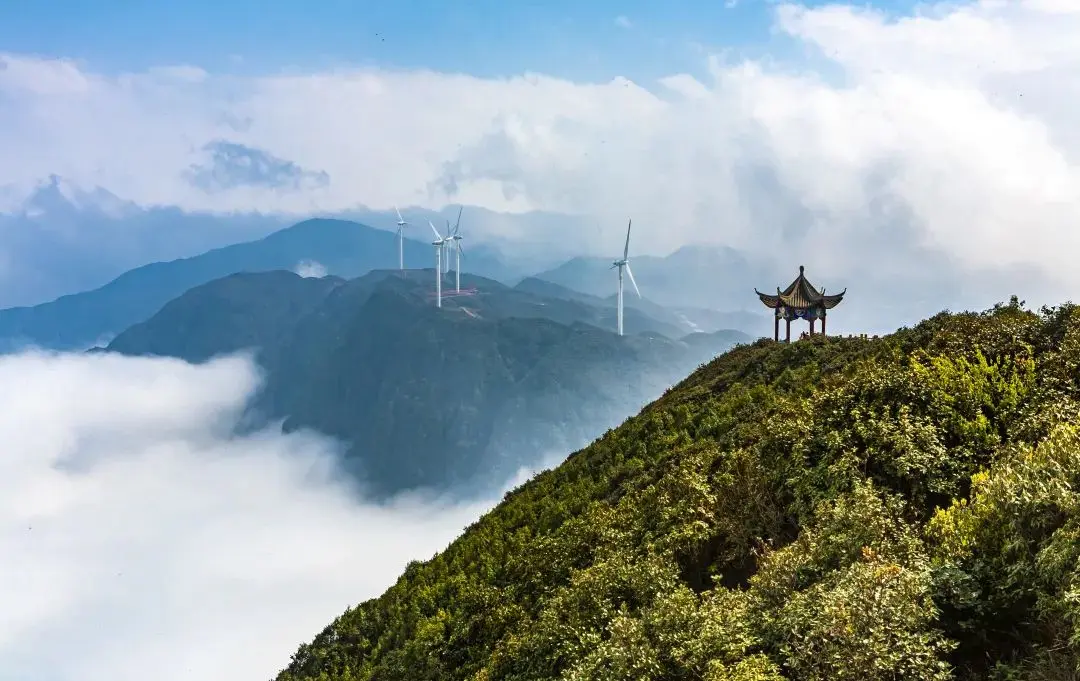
{"x": 349, "y": 249}
{"x": 685, "y": 319}
{"x": 336, "y": 247}
{"x": 422, "y": 396}
{"x": 49, "y": 230}
{"x": 702, "y": 277}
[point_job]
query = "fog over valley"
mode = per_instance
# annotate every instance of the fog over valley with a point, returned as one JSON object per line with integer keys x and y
{"x": 142, "y": 534}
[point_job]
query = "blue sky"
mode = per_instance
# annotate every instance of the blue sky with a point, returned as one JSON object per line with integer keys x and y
{"x": 482, "y": 37}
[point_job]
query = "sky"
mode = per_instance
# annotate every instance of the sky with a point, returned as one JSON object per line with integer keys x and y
{"x": 578, "y": 41}
{"x": 831, "y": 131}
{"x": 905, "y": 151}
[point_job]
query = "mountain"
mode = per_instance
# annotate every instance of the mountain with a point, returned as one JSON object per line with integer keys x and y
{"x": 49, "y": 232}
{"x": 526, "y": 241}
{"x": 702, "y": 277}
{"x": 836, "y": 508}
{"x": 693, "y": 319}
{"x": 339, "y": 247}
{"x": 677, "y": 320}
{"x": 543, "y": 287}
{"x": 635, "y": 317}
{"x": 50, "y": 227}
{"x": 452, "y": 398}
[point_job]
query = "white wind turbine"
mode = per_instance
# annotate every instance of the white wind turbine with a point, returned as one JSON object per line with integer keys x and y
{"x": 624, "y": 264}
{"x": 455, "y": 238}
{"x": 450, "y": 231}
{"x": 401, "y": 225}
{"x": 439, "y": 244}
{"x": 446, "y": 246}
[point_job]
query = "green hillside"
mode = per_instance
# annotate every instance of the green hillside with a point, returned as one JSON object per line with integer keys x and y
{"x": 833, "y": 509}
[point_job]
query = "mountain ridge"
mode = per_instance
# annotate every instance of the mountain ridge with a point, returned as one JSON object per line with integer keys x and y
{"x": 836, "y": 508}
{"x": 77, "y": 320}
{"x": 688, "y": 280}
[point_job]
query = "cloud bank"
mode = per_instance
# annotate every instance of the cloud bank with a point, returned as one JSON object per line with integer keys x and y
{"x": 230, "y": 165}
{"x": 140, "y": 537}
{"x": 931, "y": 157}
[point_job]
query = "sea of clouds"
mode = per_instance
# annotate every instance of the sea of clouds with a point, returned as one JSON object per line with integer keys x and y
{"x": 140, "y": 538}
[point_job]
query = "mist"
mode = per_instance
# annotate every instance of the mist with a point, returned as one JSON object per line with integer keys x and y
{"x": 44, "y": 243}
{"x": 142, "y": 538}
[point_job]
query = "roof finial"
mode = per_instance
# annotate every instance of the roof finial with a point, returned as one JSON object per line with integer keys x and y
{"x": 801, "y": 268}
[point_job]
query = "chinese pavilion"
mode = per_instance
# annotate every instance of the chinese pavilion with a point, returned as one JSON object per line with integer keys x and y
{"x": 800, "y": 300}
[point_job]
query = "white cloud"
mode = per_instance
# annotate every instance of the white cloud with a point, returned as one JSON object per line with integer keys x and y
{"x": 623, "y": 21}
{"x": 311, "y": 269}
{"x": 138, "y": 535}
{"x": 944, "y": 137}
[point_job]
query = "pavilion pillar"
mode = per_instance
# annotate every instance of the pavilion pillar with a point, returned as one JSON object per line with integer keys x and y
{"x": 822, "y": 323}
{"x": 776, "y": 326}
{"x": 811, "y": 326}
{"x": 788, "y": 338}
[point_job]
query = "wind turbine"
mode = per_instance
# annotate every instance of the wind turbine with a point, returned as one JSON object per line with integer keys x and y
{"x": 439, "y": 244}
{"x": 455, "y": 238}
{"x": 446, "y": 246}
{"x": 624, "y": 264}
{"x": 401, "y": 225}
{"x": 449, "y": 232}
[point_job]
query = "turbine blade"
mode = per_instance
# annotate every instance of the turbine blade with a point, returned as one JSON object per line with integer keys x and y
{"x": 457, "y": 225}
{"x": 626, "y": 248}
{"x": 460, "y": 250}
{"x": 630, "y": 273}
{"x": 437, "y": 235}
{"x": 398, "y": 214}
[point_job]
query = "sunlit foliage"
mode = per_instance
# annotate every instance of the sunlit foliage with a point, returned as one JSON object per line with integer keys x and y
{"x": 833, "y": 509}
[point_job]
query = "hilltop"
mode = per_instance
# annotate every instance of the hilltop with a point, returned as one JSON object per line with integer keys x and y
{"x": 451, "y": 398}
{"x": 832, "y": 509}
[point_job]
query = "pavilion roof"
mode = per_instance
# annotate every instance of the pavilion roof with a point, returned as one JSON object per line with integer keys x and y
{"x": 801, "y": 294}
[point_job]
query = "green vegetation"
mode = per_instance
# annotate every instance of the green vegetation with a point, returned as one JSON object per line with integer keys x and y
{"x": 833, "y": 509}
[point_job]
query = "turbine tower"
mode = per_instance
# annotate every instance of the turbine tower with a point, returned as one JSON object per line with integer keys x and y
{"x": 450, "y": 231}
{"x": 455, "y": 238}
{"x": 624, "y": 264}
{"x": 446, "y": 246}
{"x": 439, "y": 244}
{"x": 401, "y": 225}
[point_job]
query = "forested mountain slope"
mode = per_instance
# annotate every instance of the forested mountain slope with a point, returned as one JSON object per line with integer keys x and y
{"x": 832, "y": 509}
{"x": 455, "y": 398}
